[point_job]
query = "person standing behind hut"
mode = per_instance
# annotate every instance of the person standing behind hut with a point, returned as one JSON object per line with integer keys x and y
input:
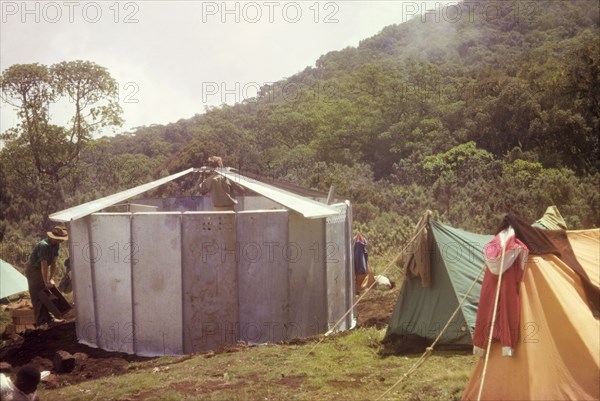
{"x": 219, "y": 187}
{"x": 40, "y": 270}
{"x": 361, "y": 262}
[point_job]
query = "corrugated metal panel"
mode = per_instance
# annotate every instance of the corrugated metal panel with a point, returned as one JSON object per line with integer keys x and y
{"x": 307, "y": 207}
{"x": 85, "y": 209}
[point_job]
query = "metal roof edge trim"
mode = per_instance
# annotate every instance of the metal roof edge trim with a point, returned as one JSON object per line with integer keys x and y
{"x": 285, "y": 185}
{"x": 88, "y": 208}
{"x": 309, "y": 208}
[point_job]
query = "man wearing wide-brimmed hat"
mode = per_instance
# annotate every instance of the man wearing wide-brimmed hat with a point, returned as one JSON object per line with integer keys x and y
{"x": 40, "y": 270}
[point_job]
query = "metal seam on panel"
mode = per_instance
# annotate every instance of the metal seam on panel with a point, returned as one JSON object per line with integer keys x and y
{"x": 181, "y": 268}
{"x": 131, "y": 265}
{"x": 349, "y": 265}
{"x": 93, "y": 279}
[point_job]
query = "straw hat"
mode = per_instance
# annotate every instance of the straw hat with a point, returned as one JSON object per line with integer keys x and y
{"x": 59, "y": 233}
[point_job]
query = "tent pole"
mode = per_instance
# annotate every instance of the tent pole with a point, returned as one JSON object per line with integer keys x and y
{"x": 489, "y": 346}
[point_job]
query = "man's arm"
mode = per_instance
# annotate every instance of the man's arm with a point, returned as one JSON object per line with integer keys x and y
{"x": 48, "y": 265}
{"x": 45, "y": 272}
{"x": 52, "y": 272}
{"x": 205, "y": 186}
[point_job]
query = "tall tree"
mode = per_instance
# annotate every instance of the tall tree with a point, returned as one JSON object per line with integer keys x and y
{"x": 38, "y": 155}
{"x": 93, "y": 93}
{"x": 28, "y": 87}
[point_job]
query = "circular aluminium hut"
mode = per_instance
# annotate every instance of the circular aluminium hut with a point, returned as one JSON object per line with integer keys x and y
{"x": 170, "y": 276}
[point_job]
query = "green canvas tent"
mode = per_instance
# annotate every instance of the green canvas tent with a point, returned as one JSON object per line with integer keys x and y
{"x": 11, "y": 281}
{"x": 445, "y": 263}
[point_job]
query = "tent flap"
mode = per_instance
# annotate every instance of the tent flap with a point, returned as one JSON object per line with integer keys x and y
{"x": 11, "y": 280}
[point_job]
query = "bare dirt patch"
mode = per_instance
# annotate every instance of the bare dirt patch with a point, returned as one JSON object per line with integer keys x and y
{"x": 39, "y": 347}
{"x": 342, "y": 383}
{"x": 293, "y": 382}
{"x": 375, "y": 309}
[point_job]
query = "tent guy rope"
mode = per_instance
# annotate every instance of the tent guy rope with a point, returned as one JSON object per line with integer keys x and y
{"x": 385, "y": 269}
{"x": 429, "y": 349}
{"x": 353, "y": 306}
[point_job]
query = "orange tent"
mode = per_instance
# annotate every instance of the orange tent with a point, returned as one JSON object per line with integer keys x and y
{"x": 558, "y": 355}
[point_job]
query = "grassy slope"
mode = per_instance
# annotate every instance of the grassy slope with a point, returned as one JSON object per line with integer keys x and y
{"x": 346, "y": 366}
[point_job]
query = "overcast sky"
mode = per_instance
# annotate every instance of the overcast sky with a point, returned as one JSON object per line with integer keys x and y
{"x": 172, "y": 59}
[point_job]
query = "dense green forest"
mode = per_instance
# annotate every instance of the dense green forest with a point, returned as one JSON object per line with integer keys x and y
{"x": 470, "y": 117}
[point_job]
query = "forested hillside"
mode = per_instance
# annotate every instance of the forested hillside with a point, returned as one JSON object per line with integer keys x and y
{"x": 470, "y": 117}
